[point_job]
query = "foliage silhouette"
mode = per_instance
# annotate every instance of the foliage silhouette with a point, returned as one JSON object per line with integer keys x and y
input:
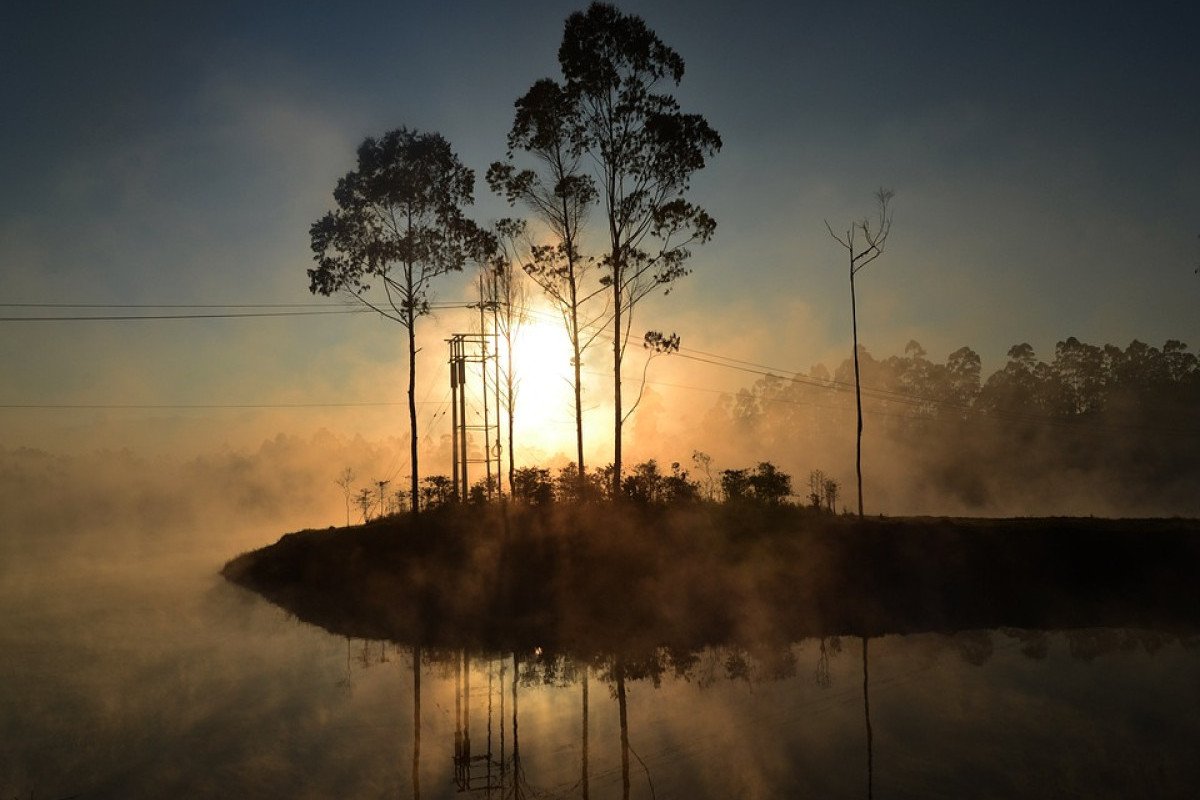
{"x": 643, "y": 150}
{"x": 623, "y": 578}
{"x": 1114, "y": 425}
{"x": 399, "y": 224}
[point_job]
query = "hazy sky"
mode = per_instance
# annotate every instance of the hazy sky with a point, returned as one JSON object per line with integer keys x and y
{"x": 1045, "y": 159}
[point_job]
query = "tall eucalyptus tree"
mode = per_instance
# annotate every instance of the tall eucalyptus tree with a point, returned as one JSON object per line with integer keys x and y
{"x": 559, "y": 195}
{"x": 399, "y": 225}
{"x": 642, "y": 151}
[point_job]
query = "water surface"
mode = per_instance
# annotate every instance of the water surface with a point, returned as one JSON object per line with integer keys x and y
{"x": 160, "y": 679}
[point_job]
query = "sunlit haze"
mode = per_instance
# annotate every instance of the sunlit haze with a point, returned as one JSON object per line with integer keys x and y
{"x": 169, "y": 160}
{"x": 958, "y": 560}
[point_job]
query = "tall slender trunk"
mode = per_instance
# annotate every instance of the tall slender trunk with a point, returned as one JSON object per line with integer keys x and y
{"x": 857, "y": 390}
{"x": 416, "y": 759}
{"x": 624, "y": 731}
{"x": 573, "y": 289}
{"x": 583, "y": 779}
{"x": 576, "y": 357}
{"x": 867, "y": 715}
{"x": 412, "y": 409}
{"x": 617, "y": 421}
{"x": 512, "y": 414}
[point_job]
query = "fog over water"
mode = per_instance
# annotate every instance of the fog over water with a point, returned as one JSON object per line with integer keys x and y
{"x": 132, "y": 669}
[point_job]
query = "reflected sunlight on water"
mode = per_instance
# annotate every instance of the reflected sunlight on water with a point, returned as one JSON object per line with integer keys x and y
{"x": 171, "y": 682}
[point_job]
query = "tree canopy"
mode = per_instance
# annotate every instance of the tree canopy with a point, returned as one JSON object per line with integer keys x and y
{"x": 399, "y": 224}
{"x": 643, "y": 150}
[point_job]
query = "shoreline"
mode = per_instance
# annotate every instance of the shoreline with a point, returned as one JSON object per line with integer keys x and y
{"x": 599, "y": 578}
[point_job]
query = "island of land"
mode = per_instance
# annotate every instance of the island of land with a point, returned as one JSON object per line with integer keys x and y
{"x": 599, "y": 577}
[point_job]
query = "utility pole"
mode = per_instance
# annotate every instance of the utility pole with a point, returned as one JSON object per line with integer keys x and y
{"x": 381, "y": 484}
{"x": 464, "y": 348}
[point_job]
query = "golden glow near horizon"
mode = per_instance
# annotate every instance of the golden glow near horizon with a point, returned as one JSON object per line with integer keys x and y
{"x": 542, "y": 373}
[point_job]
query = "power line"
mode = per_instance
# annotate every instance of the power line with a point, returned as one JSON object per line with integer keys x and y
{"x": 164, "y": 305}
{"x": 212, "y": 311}
{"x": 194, "y": 406}
{"x": 218, "y": 315}
{"x": 691, "y": 354}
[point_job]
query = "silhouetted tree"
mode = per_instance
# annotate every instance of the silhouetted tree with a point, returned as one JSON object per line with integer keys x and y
{"x": 345, "y": 479}
{"x": 399, "y": 224}
{"x": 644, "y": 151}
{"x": 381, "y": 484}
{"x": 508, "y": 295}
{"x": 770, "y": 486}
{"x": 816, "y": 489}
{"x": 703, "y": 462}
{"x": 533, "y": 486}
{"x": 735, "y": 485}
{"x": 437, "y": 490}
{"x": 643, "y": 484}
{"x": 571, "y": 487}
{"x": 481, "y": 490}
{"x": 559, "y": 194}
{"x": 646, "y": 483}
{"x": 861, "y": 252}
{"x": 763, "y": 484}
{"x": 832, "y": 489}
{"x": 676, "y": 488}
{"x": 398, "y": 501}
{"x": 365, "y": 500}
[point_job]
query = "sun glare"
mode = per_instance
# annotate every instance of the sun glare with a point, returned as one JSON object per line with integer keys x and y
{"x": 541, "y": 363}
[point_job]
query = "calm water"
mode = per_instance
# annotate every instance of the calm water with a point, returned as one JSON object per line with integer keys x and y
{"x": 164, "y": 681}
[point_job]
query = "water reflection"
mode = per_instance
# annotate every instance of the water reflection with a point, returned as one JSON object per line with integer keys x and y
{"x": 958, "y": 710}
{"x": 195, "y": 688}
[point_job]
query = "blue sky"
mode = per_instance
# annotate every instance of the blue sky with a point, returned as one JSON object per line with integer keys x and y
{"x": 1045, "y": 160}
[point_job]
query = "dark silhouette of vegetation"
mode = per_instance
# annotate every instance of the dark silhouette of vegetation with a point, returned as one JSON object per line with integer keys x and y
{"x": 642, "y": 151}
{"x": 637, "y": 577}
{"x": 559, "y": 196}
{"x": 646, "y": 484}
{"x": 1118, "y": 419}
{"x": 532, "y": 485}
{"x": 822, "y": 491}
{"x": 507, "y": 296}
{"x": 861, "y": 252}
{"x": 345, "y": 479}
{"x": 399, "y": 224}
{"x": 763, "y": 484}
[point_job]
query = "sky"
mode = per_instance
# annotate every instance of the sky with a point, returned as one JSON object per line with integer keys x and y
{"x": 1045, "y": 163}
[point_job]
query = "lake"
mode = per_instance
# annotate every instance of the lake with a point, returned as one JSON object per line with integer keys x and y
{"x": 136, "y": 671}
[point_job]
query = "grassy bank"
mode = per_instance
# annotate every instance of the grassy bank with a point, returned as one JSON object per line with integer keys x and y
{"x": 601, "y": 578}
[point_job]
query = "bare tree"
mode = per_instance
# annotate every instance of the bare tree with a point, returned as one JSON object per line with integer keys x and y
{"x": 365, "y": 500}
{"x": 816, "y": 488}
{"x": 863, "y": 242}
{"x": 346, "y": 480}
{"x": 506, "y": 293}
{"x": 381, "y": 484}
{"x": 832, "y": 488}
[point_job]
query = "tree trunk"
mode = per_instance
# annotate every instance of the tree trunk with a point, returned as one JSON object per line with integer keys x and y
{"x": 576, "y": 355}
{"x": 617, "y": 421}
{"x": 412, "y": 410}
{"x": 416, "y": 759}
{"x": 857, "y": 390}
{"x": 512, "y": 415}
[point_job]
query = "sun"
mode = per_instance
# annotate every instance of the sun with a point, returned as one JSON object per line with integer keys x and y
{"x": 542, "y": 377}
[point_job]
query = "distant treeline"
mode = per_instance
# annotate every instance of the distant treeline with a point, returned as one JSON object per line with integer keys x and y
{"x": 1095, "y": 430}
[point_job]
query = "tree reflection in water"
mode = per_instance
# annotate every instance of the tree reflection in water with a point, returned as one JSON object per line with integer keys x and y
{"x": 488, "y": 687}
